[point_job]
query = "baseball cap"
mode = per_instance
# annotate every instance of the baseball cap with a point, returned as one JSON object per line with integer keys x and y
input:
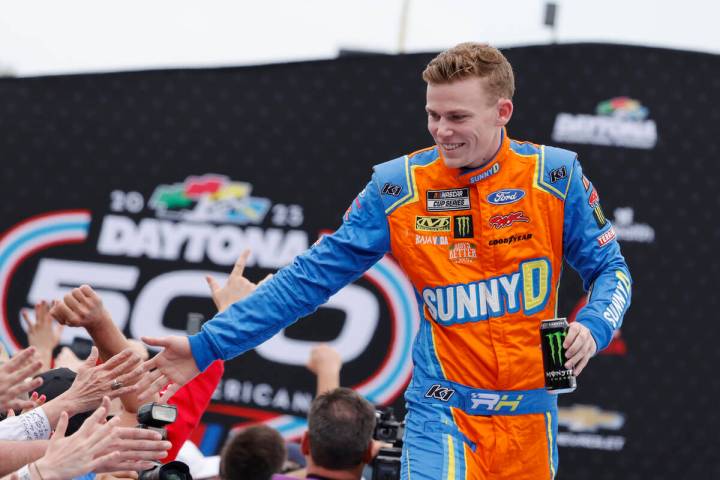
{"x": 55, "y": 382}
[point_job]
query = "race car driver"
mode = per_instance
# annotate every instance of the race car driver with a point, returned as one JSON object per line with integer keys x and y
{"x": 480, "y": 224}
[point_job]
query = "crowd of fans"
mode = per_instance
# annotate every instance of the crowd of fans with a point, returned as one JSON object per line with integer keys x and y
{"x": 63, "y": 417}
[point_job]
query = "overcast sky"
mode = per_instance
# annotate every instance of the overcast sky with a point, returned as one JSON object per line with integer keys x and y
{"x": 39, "y": 37}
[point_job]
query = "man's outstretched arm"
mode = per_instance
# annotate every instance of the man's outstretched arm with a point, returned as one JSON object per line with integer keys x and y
{"x": 294, "y": 292}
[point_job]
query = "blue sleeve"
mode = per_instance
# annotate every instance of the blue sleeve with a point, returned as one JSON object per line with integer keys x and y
{"x": 590, "y": 247}
{"x": 300, "y": 288}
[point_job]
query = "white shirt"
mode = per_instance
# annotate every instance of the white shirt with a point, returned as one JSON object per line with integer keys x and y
{"x": 32, "y": 425}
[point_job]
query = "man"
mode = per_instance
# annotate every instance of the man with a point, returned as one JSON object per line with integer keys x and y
{"x": 481, "y": 224}
{"x": 339, "y": 441}
{"x": 255, "y": 453}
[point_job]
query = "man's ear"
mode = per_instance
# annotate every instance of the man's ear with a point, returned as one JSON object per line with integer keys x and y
{"x": 305, "y": 444}
{"x": 370, "y": 453}
{"x": 505, "y": 111}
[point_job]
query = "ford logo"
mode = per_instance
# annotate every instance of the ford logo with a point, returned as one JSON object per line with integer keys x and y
{"x": 503, "y": 197}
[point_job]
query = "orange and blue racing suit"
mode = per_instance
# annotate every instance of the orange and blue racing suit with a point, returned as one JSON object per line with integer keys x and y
{"x": 483, "y": 249}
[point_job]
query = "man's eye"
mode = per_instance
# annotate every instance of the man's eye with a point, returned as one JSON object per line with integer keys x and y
{"x": 433, "y": 116}
{"x": 457, "y": 118}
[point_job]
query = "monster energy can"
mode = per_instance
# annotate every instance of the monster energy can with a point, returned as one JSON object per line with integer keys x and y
{"x": 558, "y": 379}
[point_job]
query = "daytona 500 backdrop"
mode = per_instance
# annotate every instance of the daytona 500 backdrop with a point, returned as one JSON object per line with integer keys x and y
{"x": 142, "y": 183}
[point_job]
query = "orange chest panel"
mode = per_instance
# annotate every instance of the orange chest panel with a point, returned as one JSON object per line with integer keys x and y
{"x": 480, "y": 244}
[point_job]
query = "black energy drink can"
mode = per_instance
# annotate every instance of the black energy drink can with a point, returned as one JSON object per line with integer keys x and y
{"x": 558, "y": 379}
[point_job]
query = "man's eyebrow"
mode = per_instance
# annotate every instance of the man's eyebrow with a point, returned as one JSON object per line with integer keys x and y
{"x": 451, "y": 112}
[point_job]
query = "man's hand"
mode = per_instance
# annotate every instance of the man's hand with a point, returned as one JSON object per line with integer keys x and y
{"x": 113, "y": 378}
{"x": 82, "y": 307}
{"x": 324, "y": 358}
{"x": 99, "y": 446}
{"x": 13, "y": 375}
{"x": 44, "y": 333}
{"x": 579, "y": 347}
{"x": 325, "y": 363}
{"x": 236, "y": 288}
{"x": 174, "y": 364}
{"x": 67, "y": 359}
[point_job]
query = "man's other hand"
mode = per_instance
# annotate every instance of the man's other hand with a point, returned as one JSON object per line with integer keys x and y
{"x": 579, "y": 347}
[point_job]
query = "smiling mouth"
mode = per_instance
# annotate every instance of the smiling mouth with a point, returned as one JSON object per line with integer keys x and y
{"x": 448, "y": 147}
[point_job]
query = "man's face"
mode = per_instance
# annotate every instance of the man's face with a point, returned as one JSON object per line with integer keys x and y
{"x": 465, "y": 121}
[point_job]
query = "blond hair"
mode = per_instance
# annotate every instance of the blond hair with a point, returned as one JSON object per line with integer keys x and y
{"x": 472, "y": 59}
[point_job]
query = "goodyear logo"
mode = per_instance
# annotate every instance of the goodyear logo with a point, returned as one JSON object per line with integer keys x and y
{"x": 527, "y": 289}
{"x": 432, "y": 224}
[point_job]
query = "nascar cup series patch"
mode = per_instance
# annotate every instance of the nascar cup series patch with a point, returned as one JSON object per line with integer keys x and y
{"x": 447, "y": 200}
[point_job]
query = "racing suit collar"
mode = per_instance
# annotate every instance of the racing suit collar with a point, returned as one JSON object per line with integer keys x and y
{"x": 465, "y": 175}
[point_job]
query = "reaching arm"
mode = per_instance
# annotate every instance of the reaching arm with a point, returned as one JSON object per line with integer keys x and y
{"x": 14, "y": 455}
{"x": 298, "y": 289}
{"x": 295, "y": 291}
{"x": 82, "y": 307}
{"x": 325, "y": 363}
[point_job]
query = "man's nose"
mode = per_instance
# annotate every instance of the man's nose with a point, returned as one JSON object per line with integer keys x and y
{"x": 443, "y": 129}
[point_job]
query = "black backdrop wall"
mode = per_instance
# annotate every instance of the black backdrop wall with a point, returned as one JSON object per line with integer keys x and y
{"x": 141, "y": 183}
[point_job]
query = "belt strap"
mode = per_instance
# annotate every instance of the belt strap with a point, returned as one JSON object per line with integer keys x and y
{"x": 477, "y": 401}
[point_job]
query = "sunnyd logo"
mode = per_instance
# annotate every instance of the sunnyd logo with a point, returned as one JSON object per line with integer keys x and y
{"x": 432, "y": 224}
{"x": 503, "y": 197}
{"x": 555, "y": 340}
{"x": 209, "y": 198}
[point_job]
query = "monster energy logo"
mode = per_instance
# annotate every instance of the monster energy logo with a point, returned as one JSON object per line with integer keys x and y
{"x": 555, "y": 340}
{"x": 463, "y": 226}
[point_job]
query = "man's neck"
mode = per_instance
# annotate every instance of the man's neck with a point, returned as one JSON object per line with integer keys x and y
{"x": 314, "y": 471}
{"x": 492, "y": 154}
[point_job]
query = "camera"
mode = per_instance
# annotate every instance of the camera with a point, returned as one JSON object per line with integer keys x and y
{"x": 156, "y": 416}
{"x": 386, "y": 465}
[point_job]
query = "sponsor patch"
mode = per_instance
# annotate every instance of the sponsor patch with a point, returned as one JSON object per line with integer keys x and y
{"x": 494, "y": 402}
{"x": 430, "y": 240}
{"x": 558, "y": 174}
{"x": 440, "y": 393}
{"x": 391, "y": 189}
{"x": 506, "y": 196}
{"x": 463, "y": 226}
{"x": 462, "y": 252}
{"x": 586, "y": 183}
{"x": 483, "y": 175}
{"x": 447, "y": 200}
{"x": 432, "y": 224}
{"x": 526, "y": 289}
{"x": 606, "y": 237}
{"x": 511, "y": 239}
{"x": 504, "y": 221}
{"x": 598, "y": 214}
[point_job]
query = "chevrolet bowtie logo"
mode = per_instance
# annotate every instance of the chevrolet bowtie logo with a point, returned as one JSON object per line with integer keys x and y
{"x": 589, "y": 418}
